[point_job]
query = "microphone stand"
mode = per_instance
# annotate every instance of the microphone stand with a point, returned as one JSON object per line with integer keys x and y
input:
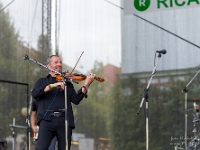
{"x": 185, "y": 90}
{"x": 13, "y": 132}
{"x": 13, "y": 135}
{"x": 29, "y": 125}
{"x": 65, "y": 80}
{"x": 145, "y": 97}
{"x": 66, "y": 119}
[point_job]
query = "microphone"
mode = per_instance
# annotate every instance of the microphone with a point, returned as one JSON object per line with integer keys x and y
{"x": 162, "y": 51}
{"x": 26, "y": 57}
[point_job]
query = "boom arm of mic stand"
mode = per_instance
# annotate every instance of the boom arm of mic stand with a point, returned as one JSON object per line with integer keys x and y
{"x": 61, "y": 74}
{"x": 146, "y": 90}
{"x": 30, "y": 59}
{"x": 145, "y": 96}
{"x": 185, "y": 88}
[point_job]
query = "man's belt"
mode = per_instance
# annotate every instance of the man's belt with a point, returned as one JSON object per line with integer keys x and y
{"x": 58, "y": 114}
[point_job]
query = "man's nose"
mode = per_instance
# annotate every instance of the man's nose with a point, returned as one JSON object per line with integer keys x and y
{"x": 60, "y": 64}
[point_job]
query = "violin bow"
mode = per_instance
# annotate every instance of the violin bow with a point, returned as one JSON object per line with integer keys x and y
{"x": 97, "y": 78}
{"x": 77, "y": 62}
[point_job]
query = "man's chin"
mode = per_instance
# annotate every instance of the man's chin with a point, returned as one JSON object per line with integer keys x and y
{"x": 59, "y": 70}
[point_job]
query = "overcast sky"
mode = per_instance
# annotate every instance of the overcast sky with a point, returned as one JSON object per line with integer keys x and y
{"x": 92, "y": 26}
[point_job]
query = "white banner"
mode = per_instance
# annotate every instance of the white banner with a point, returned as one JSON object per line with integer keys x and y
{"x": 141, "y": 6}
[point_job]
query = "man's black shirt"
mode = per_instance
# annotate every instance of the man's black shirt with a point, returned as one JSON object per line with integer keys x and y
{"x": 54, "y": 100}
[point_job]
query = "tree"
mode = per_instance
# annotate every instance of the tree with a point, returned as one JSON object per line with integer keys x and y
{"x": 125, "y": 122}
{"x": 92, "y": 112}
{"x": 8, "y": 46}
{"x": 13, "y": 68}
{"x": 166, "y": 114}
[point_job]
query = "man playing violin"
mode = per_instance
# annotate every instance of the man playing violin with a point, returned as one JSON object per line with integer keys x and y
{"x": 50, "y": 96}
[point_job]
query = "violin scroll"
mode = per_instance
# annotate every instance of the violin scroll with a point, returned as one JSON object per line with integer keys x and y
{"x": 99, "y": 79}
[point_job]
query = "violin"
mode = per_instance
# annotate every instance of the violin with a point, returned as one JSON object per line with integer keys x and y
{"x": 76, "y": 77}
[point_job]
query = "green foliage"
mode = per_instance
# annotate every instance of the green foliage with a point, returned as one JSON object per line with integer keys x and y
{"x": 92, "y": 112}
{"x": 126, "y": 122}
{"x": 15, "y": 83}
{"x": 165, "y": 109}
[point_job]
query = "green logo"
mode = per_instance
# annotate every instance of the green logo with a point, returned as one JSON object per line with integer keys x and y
{"x": 141, "y": 5}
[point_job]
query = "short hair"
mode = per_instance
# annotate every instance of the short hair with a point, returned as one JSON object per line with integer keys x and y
{"x": 49, "y": 59}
